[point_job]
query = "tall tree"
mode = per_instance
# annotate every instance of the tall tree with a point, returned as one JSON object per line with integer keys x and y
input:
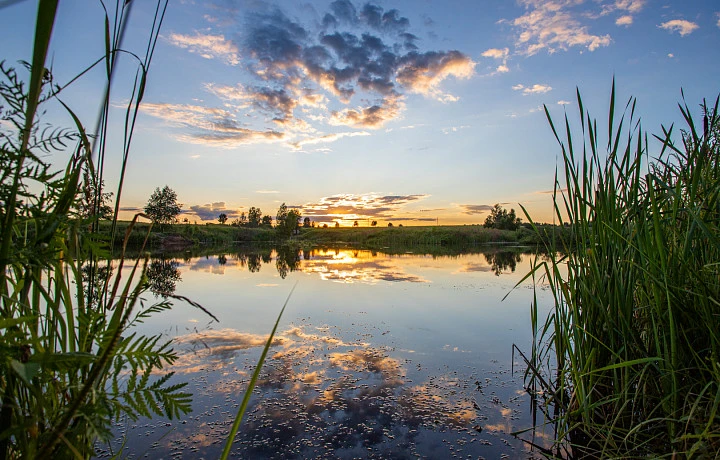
{"x": 163, "y": 207}
{"x": 306, "y": 222}
{"x": 286, "y": 221}
{"x": 267, "y": 221}
{"x": 502, "y": 219}
{"x": 254, "y": 217}
{"x": 222, "y": 218}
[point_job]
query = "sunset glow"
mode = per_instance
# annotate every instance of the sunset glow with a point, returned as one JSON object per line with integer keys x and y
{"x": 389, "y": 111}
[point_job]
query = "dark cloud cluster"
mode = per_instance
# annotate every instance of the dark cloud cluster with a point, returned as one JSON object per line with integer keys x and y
{"x": 364, "y": 58}
{"x": 472, "y": 209}
{"x": 211, "y": 211}
{"x": 368, "y": 50}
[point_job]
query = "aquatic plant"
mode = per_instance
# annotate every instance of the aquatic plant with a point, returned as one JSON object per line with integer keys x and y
{"x": 628, "y": 360}
{"x": 70, "y": 361}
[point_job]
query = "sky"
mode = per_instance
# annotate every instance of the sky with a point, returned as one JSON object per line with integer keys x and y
{"x": 415, "y": 112}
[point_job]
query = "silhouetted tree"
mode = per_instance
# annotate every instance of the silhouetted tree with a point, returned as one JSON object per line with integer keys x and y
{"x": 325, "y": 226}
{"x": 337, "y": 224}
{"x": 241, "y": 221}
{"x": 222, "y": 218}
{"x": 306, "y": 222}
{"x": 162, "y": 207}
{"x": 286, "y": 221}
{"x": 267, "y": 221}
{"x": 501, "y": 219}
{"x": 355, "y": 224}
{"x": 373, "y": 223}
{"x": 389, "y": 224}
{"x": 254, "y": 217}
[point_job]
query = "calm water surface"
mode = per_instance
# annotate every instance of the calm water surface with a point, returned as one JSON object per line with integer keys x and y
{"x": 377, "y": 356}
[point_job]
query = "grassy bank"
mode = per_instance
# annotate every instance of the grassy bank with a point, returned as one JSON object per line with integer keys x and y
{"x": 370, "y": 237}
{"x": 628, "y": 360}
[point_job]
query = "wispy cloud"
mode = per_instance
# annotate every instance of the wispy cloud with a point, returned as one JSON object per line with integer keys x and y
{"x": 326, "y": 138}
{"x": 563, "y": 102}
{"x": 267, "y": 191}
{"x": 205, "y": 125}
{"x": 553, "y": 26}
{"x": 626, "y": 8}
{"x": 208, "y": 46}
{"x": 500, "y": 54}
{"x": 472, "y": 209}
{"x": 681, "y": 26}
{"x": 454, "y": 129}
{"x": 534, "y": 89}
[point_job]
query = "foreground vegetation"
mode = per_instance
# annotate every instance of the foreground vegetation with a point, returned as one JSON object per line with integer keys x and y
{"x": 71, "y": 362}
{"x": 628, "y": 361}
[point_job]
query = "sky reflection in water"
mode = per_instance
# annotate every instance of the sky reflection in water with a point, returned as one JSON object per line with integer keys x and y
{"x": 393, "y": 356}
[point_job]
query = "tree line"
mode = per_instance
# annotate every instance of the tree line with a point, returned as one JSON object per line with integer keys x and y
{"x": 163, "y": 208}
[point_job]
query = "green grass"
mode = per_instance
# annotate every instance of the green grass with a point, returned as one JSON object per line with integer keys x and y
{"x": 629, "y": 357}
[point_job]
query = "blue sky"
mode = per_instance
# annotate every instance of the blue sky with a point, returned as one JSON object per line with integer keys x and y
{"x": 397, "y": 111}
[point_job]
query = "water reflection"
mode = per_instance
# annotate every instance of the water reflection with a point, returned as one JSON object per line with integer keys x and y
{"x": 320, "y": 395}
{"x": 388, "y": 356}
{"x": 163, "y": 276}
{"x": 338, "y": 265}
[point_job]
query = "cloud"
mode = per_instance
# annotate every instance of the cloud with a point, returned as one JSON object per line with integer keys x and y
{"x": 718, "y": 16}
{"x": 205, "y": 125}
{"x": 373, "y": 116}
{"x": 472, "y": 209}
{"x": 351, "y": 66}
{"x": 553, "y": 26}
{"x": 365, "y": 206}
{"x": 327, "y": 138}
{"x": 211, "y": 211}
{"x": 625, "y": 20}
{"x": 631, "y": 6}
{"x": 454, "y": 129}
{"x": 207, "y": 46}
{"x": 534, "y": 89}
{"x": 563, "y": 102}
{"x": 496, "y": 53}
{"x": 682, "y": 26}
{"x": 266, "y": 191}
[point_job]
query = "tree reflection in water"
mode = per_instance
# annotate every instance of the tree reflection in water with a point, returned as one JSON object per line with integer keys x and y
{"x": 500, "y": 261}
{"x": 287, "y": 260}
{"x": 163, "y": 276}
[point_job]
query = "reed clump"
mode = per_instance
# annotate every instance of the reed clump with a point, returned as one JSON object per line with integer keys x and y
{"x": 628, "y": 360}
{"x": 71, "y": 362}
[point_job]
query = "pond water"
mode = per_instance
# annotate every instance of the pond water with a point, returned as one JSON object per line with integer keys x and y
{"x": 377, "y": 355}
